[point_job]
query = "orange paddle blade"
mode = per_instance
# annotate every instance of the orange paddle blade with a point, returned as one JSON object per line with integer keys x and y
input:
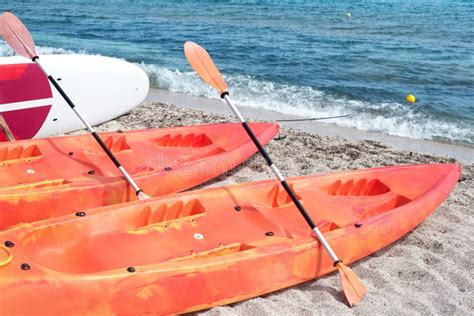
{"x": 17, "y": 35}
{"x": 202, "y": 63}
{"x": 351, "y": 284}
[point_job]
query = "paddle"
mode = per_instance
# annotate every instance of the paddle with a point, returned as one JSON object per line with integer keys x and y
{"x": 6, "y": 129}
{"x": 205, "y": 67}
{"x": 19, "y": 38}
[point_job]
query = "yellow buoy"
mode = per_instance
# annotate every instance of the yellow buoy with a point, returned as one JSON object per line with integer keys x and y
{"x": 410, "y": 98}
{"x": 349, "y": 14}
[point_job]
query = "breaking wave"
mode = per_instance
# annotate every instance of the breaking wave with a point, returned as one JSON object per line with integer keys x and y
{"x": 387, "y": 117}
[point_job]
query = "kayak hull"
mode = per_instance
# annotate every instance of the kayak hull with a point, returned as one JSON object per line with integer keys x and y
{"x": 66, "y": 175}
{"x": 263, "y": 247}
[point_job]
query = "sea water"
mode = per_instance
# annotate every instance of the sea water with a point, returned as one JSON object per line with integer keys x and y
{"x": 308, "y": 58}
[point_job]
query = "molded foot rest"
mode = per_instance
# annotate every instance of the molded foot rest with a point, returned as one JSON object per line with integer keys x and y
{"x": 117, "y": 144}
{"x": 183, "y": 140}
{"x": 326, "y": 226}
{"x": 165, "y": 214}
{"x": 277, "y": 197}
{"x": 18, "y": 154}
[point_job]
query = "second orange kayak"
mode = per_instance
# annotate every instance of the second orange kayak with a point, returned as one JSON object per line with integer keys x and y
{"x": 46, "y": 178}
{"x": 200, "y": 249}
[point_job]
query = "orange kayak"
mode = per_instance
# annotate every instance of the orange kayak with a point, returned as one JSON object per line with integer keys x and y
{"x": 45, "y": 178}
{"x": 200, "y": 249}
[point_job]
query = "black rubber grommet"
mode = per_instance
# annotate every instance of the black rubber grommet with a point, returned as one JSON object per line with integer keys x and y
{"x": 224, "y": 94}
{"x": 269, "y": 234}
{"x": 357, "y": 225}
{"x": 9, "y": 244}
{"x": 131, "y": 269}
{"x": 34, "y": 58}
{"x": 70, "y": 153}
{"x": 80, "y": 214}
{"x": 336, "y": 262}
{"x": 237, "y": 208}
{"x": 91, "y": 172}
{"x": 25, "y": 266}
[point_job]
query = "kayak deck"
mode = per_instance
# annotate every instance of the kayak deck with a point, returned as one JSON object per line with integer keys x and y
{"x": 205, "y": 248}
{"x": 30, "y": 164}
{"x": 61, "y": 175}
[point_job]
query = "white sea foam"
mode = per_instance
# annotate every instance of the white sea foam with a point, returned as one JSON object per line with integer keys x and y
{"x": 387, "y": 117}
{"x": 6, "y": 51}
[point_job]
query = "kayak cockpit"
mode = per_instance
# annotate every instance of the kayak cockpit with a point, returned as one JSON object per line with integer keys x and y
{"x": 81, "y": 160}
{"x": 190, "y": 226}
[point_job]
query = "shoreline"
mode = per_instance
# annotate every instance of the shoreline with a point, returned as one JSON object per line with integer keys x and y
{"x": 215, "y": 106}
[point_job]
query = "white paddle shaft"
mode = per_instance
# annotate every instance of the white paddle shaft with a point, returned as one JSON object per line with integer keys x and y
{"x": 283, "y": 181}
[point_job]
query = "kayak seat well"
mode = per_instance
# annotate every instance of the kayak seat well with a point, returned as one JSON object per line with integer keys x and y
{"x": 19, "y": 154}
{"x": 232, "y": 249}
{"x": 193, "y": 147}
{"x": 344, "y": 201}
{"x": 276, "y": 206}
{"x": 155, "y": 233}
{"x": 389, "y": 204}
{"x": 369, "y": 197}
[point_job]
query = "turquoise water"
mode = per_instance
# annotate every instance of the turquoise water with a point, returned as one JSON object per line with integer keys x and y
{"x": 298, "y": 57}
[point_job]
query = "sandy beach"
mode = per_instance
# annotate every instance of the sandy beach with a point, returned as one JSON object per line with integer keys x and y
{"x": 429, "y": 271}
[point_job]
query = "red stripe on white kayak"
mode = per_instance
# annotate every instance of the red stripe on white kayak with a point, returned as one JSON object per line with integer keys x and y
{"x": 25, "y": 99}
{"x": 25, "y": 123}
{"x": 23, "y": 82}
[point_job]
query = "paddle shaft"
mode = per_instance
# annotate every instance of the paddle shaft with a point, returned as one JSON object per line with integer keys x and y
{"x": 96, "y": 136}
{"x": 281, "y": 178}
{"x": 313, "y": 119}
{"x": 6, "y": 129}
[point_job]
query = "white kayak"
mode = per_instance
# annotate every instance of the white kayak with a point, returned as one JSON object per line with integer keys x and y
{"x": 102, "y": 88}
